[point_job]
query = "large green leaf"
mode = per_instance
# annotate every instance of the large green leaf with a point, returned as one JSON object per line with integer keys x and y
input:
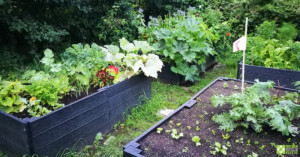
{"x": 112, "y": 48}
{"x": 189, "y": 56}
{"x": 7, "y": 101}
{"x": 143, "y": 46}
{"x": 162, "y": 33}
{"x": 152, "y": 66}
{"x": 181, "y": 47}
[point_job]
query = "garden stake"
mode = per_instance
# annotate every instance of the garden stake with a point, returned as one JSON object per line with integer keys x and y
{"x": 244, "y": 50}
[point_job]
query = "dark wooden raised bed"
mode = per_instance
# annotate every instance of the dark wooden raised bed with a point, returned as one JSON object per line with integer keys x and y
{"x": 74, "y": 125}
{"x": 198, "y": 108}
{"x": 286, "y": 78}
{"x": 168, "y": 76}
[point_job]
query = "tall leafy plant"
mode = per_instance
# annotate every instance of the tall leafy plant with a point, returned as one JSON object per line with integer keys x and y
{"x": 183, "y": 39}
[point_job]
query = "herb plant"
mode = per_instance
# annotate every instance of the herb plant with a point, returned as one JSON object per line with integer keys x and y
{"x": 257, "y": 108}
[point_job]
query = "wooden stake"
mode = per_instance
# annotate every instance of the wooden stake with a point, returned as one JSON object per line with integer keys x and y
{"x": 244, "y": 51}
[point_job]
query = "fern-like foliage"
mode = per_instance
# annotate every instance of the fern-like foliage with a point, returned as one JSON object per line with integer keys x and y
{"x": 256, "y": 107}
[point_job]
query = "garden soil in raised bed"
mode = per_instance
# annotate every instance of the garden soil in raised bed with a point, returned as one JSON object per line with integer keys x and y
{"x": 163, "y": 145}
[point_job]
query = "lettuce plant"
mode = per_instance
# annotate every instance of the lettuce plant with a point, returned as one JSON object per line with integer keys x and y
{"x": 11, "y": 96}
{"x": 256, "y": 107}
{"x": 130, "y": 62}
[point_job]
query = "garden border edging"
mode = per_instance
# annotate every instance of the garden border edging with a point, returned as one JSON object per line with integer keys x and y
{"x": 285, "y": 77}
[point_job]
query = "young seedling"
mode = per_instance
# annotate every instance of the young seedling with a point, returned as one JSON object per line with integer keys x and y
{"x": 186, "y": 149}
{"x": 168, "y": 131}
{"x": 273, "y": 144}
{"x": 197, "y": 122}
{"x": 256, "y": 142}
{"x": 197, "y": 128}
{"x": 248, "y": 143}
{"x": 213, "y": 132}
{"x": 189, "y": 127}
{"x": 235, "y": 87}
{"x": 228, "y": 144}
{"x": 217, "y": 148}
{"x": 262, "y": 147}
{"x": 178, "y": 124}
{"x": 159, "y": 130}
{"x": 225, "y": 137}
{"x": 253, "y": 155}
{"x": 196, "y": 139}
{"x": 175, "y": 134}
{"x": 288, "y": 140}
{"x": 225, "y": 85}
{"x": 201, "y": 116}
{"x": 239, "y": 140}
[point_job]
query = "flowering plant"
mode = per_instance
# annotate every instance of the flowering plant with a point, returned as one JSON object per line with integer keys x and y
{"x": 107, "y": 76}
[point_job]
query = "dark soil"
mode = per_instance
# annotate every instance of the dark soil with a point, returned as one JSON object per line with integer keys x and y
{"x": 164, "y": 145}
{"x": 68, "y": 99}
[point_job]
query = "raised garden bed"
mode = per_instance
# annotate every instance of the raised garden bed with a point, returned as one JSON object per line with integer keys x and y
{"x": 168, "y": 76}
{"x": 285, "y": 78}
{"x": 74, "y": 125}
{"x": 198, "y": 112}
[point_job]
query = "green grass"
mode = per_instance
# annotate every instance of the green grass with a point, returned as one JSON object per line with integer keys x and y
{"x": 143, "y": 117}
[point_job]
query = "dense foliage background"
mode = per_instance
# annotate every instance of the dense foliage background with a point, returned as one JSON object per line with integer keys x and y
{"x": 27, "y": 28}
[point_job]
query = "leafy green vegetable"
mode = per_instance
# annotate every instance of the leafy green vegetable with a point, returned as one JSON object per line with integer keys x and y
{"x": 45, "y": 93}
{"x": 175, "y": 134}
{"x": 81, "y": 63}
{"x": 275, "y": 47}
{"x": 184, "y": 41}
{"x": 256, "y": 107}
{"x": 196, "y": 140}
{"x": 10, "y": 96}
{"x": 159, "y": 130}
{"x": 218, "y": 148}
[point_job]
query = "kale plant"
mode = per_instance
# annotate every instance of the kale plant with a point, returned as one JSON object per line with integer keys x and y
{"x": 256, "y": 107}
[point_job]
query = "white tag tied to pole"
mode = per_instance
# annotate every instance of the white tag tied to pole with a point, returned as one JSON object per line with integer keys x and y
{"x": 239, "y": 44}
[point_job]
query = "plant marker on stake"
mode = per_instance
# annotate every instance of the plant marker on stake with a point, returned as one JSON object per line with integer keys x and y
{"x": 240, "y": 44}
